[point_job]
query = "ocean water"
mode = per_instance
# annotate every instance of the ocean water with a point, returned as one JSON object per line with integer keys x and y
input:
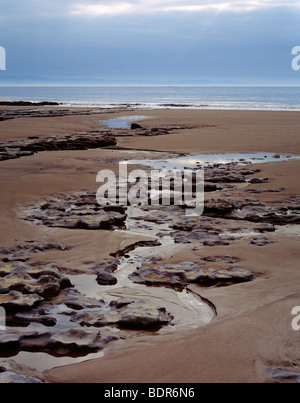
{"x": 148, "y": 97}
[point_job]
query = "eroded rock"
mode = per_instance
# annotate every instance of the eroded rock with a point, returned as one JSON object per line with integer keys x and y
{"x": 39, "y": 315}
{"x": 131, "y": 314}
{"x": 15, "y": 300}
{"x": 23, "y": 252}
{"x": 61, "y": 341}
{"x": 76, "y": 141}
{"x": 13, "y": 372}
{"x": 260, "y": 241}
{"x": 78, "y": 212}
{"x": 284, "y": 374}
{"x": 253, "y": 211}
{"x": 75, "y": 300}
{"x": 44, "y": 281}
{"x": 189, "y": 272}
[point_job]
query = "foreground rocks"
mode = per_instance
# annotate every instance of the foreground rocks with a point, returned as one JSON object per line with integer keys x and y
{"x": 189, "y": 272}
{"x": 12, "y": 372}
{"x": 80, "y": 333}
{"x": 69, "y": 324}
{"x": 60, "y": 342}
{"x": 41, "y": 282}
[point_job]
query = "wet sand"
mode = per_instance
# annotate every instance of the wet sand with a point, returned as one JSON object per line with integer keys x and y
{"x": 251, "y": 331}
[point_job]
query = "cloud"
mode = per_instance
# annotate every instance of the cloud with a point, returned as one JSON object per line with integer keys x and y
{"x": 104, "y": 8}
{"x": 95, "y": 10}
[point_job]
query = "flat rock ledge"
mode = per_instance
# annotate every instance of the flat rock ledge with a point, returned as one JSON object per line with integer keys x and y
{"x": 77, "y": 212}
{"x": 59, "y": 342}
{"x": 30, "y": 110}
{"x": 124, "y": 313}
{"x": 77, "y": 141}
{"x": 189, "y": 272}
{"x": 23, "y": 252}
{"x": 254, "y": 211}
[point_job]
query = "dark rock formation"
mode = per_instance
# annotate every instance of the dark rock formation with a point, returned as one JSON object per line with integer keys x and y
{"x": 226, "y": 177}
{"x": 78, "y": 212}
{"x": 76, "y": 141}
{"x": 258, "y": 180}
{"x": 189, "y": 272}
{"x": 219, "y": 207}
{"x": 104, "y": 274}
{"x": 136, "y": 126}
{"x": 279, "y": 214}
{"x": 130, "y": 314}
{"x": 28, "y": 103}
{"x": 38, "y": 315}
{"x": 41, "y": 281}
{"x": 61, "y": 342}
{"x": 23, "y": 252}
{"x": 16, "y": 301}
{"x": 13, "y": 372}
{"x": 261, "y": 241}
{"x": 42, "y": 111}
{"x": 266, "y": 228}
{"x": 284, "y": 374}
{"x": 75, "y": 300}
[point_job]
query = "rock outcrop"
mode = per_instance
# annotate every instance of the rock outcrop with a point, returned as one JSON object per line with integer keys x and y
{"x": 13, "y": 372}
{"x": 39, "y": 281}
{"x": 125, "y": 314}
{"x": 189, "y": 272}
{"x": 78, "y": 212}
{"x": 60, "y": 342}
{"x": 76, "y": 141}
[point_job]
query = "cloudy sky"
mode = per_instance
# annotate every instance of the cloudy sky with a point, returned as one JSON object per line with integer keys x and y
{"x": 150, "y": 41}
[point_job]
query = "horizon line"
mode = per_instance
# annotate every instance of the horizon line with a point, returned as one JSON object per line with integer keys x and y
{"x": 149, "y": 85}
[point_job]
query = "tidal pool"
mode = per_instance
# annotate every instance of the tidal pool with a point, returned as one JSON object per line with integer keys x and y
{"x": 204, "y": 160}
{"x": 121, "y": 123}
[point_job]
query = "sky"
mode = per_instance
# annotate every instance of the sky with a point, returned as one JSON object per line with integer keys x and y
{"x": 208, "y": 42}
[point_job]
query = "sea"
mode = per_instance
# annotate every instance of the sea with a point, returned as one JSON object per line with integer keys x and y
{"x": 273, "y": 98}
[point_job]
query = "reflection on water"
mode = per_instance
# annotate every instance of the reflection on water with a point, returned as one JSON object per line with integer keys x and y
{"x": 203, "y": 160}
{"x": 43, "y": 361}
{"x": 121, "y": 123}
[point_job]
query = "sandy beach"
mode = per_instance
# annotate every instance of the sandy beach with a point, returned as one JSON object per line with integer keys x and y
{"x": 249, "y": 336}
